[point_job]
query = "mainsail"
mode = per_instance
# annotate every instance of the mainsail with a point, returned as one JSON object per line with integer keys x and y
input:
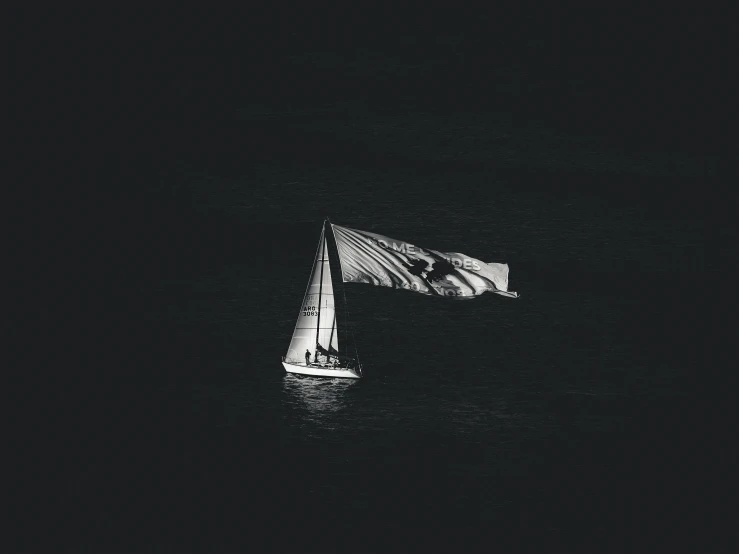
{"x": 316, "y": 326}
{"x": 378, "y": 260}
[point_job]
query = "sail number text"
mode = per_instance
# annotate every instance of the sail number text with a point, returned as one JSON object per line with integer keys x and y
{"x": 310, "y": 310}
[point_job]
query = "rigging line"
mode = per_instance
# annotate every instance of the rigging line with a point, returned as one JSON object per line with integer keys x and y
{"x": 333, "y": 251}
{"x": 351, "y": 330}
{"x": 333, "y": 324}
{"x": 346, "y": 305}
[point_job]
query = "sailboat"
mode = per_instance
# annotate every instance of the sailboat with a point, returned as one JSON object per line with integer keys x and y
{"x": 322, "y": 341}
{"x": 322, "y": 344}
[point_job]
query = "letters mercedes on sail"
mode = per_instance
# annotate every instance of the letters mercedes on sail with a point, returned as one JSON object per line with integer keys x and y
{"x": 371, "y": 258}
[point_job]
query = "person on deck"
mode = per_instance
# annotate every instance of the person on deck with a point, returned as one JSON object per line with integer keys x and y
{"x": 307, "y": 357}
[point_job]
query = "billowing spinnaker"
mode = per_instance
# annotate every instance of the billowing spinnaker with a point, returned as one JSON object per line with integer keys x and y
{"x": 378, "y": 260}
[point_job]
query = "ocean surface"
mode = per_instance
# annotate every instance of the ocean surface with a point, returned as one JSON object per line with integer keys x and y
{"x": 582, "y": 416}
{"x": 562, "y": 419}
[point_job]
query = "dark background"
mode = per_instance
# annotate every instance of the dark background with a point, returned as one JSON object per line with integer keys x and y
{"x": 180, "y": 166}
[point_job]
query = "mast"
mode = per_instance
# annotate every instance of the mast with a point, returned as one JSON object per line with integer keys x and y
{"x": 320, "y": 294}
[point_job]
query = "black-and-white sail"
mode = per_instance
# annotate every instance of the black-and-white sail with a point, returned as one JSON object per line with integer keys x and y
{"x": 317, "y": 318}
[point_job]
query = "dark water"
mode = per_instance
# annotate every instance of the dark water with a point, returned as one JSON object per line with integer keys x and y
{"x": 563, "y": 419}
{"x": 584, "y": 415}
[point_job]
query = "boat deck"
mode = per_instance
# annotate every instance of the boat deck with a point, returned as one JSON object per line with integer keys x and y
{"x": 318, "y": 370}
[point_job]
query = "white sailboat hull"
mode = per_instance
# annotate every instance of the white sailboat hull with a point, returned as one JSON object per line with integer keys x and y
{"x": 318, "y": 371}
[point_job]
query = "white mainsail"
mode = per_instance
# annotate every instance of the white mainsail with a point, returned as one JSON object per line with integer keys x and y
{"x": 317, "y": 319}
